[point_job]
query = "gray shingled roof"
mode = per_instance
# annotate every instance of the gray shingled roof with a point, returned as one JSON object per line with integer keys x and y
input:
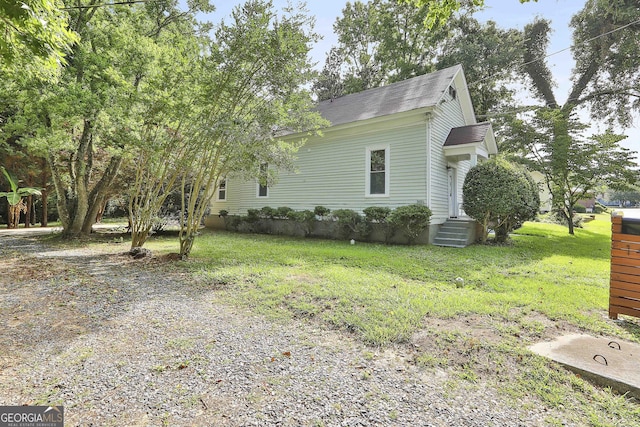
{"x": 467, "y": 134}
{"x": 417, "y": 92}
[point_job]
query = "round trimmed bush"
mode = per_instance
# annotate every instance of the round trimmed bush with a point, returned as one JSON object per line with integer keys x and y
{"x": 500, "y": 195}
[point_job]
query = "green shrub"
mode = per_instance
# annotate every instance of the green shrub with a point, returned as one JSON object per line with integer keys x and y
{"x": 411, "y": 219}
{"x": 348, "y": 222}
{"x": 579, "y": 208}
{"x": 253, "y": 215}
{"x": 376, "y": 214}
{"x": 305, "y": 219}
{"x": 321, "y": 211}
{"x": 380, "y": 216}
{"x": 223, "y": 213}
{"x": 268, "y": 212}
{"x": 500, "y": 195}
{"x": 283, "y": 212}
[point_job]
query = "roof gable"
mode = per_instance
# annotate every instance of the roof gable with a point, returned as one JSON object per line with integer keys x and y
{"x": 411, "y": 94}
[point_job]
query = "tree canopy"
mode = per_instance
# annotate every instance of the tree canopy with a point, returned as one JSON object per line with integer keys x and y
{"x": 440, "y": 11}
{"x": 384, "y": 41}
{"x": 606, "y": 79}
{"x": 35, "y": 34}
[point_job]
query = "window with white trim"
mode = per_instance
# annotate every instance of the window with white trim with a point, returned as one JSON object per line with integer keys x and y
{"x": 222, "y": 191}
{"x": 263, "y": 189}
{"x": 377, "y": 178}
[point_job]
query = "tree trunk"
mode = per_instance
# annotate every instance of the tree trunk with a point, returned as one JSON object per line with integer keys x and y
{"x": 27, "y": 214}
{"x": 99, "y": 193}
{"x": 78, "y": 205}
{"x": 45, "y": 208}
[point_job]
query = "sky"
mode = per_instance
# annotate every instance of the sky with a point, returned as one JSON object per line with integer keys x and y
{"x": 507, "y": 13}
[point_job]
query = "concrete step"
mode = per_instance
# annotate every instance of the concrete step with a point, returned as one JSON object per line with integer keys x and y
{"x": 453, "y": 243}
{"x": 454, "y": 233}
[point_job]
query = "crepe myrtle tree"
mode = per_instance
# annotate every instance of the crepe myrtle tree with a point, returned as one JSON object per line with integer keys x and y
{"x": 252, "y": 89}
{"x": 500, "y": 196}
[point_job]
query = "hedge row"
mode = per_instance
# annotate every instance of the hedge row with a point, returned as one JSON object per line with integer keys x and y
{"x": 410, "y": 220}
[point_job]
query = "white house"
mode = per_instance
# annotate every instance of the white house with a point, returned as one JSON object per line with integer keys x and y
{"x": 404, "y": 143}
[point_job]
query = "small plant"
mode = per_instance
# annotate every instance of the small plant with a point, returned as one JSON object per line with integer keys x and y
{"x": 223, "y": 213}
{"x": 411, "y": 219}
{"x": 267, "y": 212}
{"x": 253, "y": 215}
{"x": 376, "y": 214}
{"x": 348, "y": 222}
{"x": 283, "y": 212}
{"x": 321, "y": 211}
{"x": 305, "y": 219}
{"x": 14, "y": 197}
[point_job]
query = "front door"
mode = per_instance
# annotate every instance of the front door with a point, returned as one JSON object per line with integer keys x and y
{"x": 453, "y": 193}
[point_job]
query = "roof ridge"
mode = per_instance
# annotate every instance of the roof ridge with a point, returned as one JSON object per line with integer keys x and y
{"x": 398, "y": 83}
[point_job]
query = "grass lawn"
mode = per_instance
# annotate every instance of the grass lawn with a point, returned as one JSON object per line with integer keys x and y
{"x": 471, "y": 312}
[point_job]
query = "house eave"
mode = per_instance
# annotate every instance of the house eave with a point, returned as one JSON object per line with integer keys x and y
{"x": 465, "y": 151}
{"x": 401, "y": 119}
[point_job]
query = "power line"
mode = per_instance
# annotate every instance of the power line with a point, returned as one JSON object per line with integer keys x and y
{"x": 104, "y": 4}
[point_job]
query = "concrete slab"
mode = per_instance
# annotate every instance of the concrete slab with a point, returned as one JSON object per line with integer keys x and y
{"x": 608, "y": 362}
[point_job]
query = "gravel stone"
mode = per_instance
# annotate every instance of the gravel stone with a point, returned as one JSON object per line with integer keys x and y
{"x": 121, "y": 342}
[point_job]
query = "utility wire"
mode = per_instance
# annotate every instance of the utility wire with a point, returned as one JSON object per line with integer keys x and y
{"x": 117, "y": 3}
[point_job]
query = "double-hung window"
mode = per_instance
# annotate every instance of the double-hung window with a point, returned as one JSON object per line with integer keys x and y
{"x": 222, "y": 191}
{"x": 377, "y": 167}
{"x": 263, "y": 189}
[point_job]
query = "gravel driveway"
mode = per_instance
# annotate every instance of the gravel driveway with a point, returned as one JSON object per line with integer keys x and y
{"x": 129, "y": 343}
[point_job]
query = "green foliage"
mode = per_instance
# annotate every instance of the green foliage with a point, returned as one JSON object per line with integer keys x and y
{"x": 575, "y": 167}
{"x": 348, "y": 222}
{"x": 223, "y": 212}
{"x": 579, "y": 208}
{"x": 35, "y": 36}
{"x": 253, "y": 215}
{"x": 440, "y": 11}
{"x": 15, "y": 195}
{"x": 411, "y": 219}
{"x": 379, "y": 216}
{"x": 605, "y": 71}
{"x": 384, "y": 41}
{"x": 376, "y": 214}
{"x": 306, "y": 220}
{"x": 321, "y": 211}
{"x": 501, "y": 196}
{"x": 468, "y": 40}
{"x": 374, "y": 47}
{"x": 283, "y": 212}
{"x": 268, "y": 212}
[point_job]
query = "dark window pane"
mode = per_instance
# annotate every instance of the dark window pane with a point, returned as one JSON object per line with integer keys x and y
{"x": 222, "y": 195}
{"x": 377, "y": 160}
{"x": 377, "y": 183}
{"x": 262, "y": 191}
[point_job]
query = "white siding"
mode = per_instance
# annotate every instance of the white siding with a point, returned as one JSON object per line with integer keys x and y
{"x": 331, "y": 172}
{"x": 449, "y": 115}
{"x": 331, "y": 169}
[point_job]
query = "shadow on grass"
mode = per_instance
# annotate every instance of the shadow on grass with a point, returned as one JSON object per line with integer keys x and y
{"x": 632, "y": 326}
